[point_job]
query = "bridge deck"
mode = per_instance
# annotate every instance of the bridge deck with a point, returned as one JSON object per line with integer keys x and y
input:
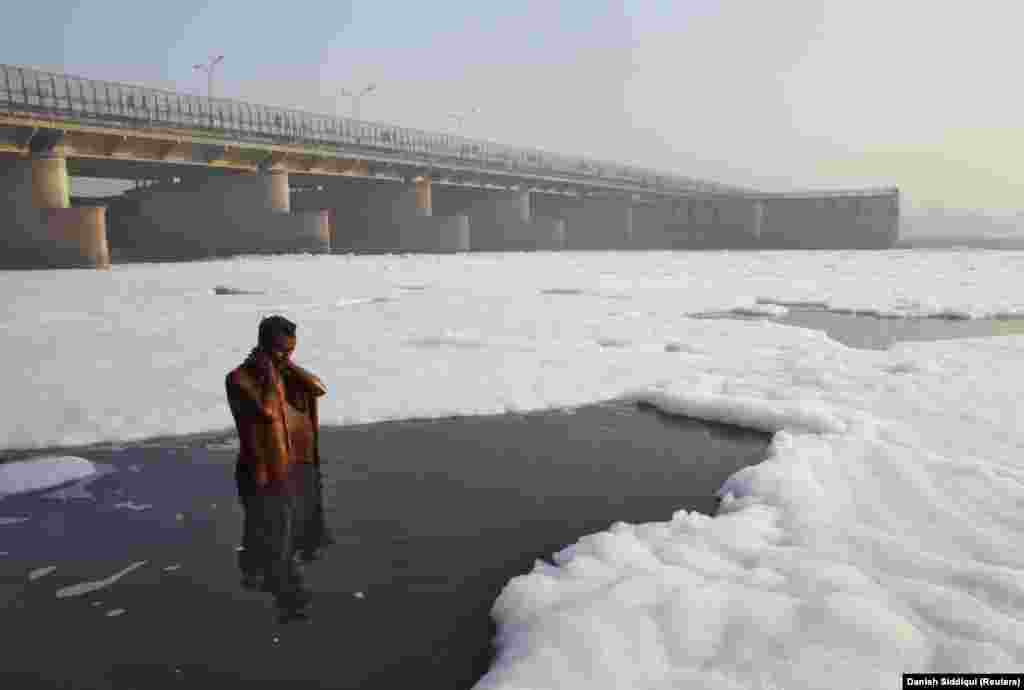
{"x": 36, "y": 98}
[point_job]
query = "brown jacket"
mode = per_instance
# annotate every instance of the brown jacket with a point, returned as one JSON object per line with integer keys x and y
{"x": 261, "y": 422}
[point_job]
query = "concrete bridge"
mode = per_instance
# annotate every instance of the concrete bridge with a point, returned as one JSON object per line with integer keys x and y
{"x": 218, "y": 177}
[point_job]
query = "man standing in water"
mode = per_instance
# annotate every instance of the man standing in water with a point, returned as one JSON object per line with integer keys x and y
{"x": 274, "y": 405}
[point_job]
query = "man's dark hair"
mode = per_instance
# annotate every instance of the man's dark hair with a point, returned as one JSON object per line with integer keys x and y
{"x": 272, "y": 328}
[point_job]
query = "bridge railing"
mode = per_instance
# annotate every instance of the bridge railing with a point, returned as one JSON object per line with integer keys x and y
{"x": 828, "y": 193}
{"x": 122, "y": 105}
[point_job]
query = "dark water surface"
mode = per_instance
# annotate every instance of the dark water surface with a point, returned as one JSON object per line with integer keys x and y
{"x": 432, "y": 519}
{"x": 879, "y": 333}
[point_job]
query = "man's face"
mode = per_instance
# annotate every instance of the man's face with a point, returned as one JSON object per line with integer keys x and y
{"x": 281, "y": 350}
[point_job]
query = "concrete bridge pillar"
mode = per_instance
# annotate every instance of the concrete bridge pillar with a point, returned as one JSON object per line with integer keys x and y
{"x": 591, "y": 223}
{"x": 525, "y": 208}
{"x": 424, "y": 206}
{"x": 80, "y": 234}
{"x": 825, "y": 222}
{"x": 387, "y": 216}
{"x": 217, "y": 215}
{"x": 457, "y": 237}
{"x": 758, "y": 219}
{"x": 277, "y": 191}
{"x": 661, "y": 225}
{"x": 559, "y": 236}
{"x": 50, "y": 185}
{"x": 38, "y": 226}
{"x": 501, "y": 219}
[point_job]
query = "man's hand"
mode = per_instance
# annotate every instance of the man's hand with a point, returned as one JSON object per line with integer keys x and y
{"x": 310, "y": 381}
{"x": 265, "y": 369}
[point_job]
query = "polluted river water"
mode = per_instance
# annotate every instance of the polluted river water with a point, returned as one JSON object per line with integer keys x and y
{"x": 432, "y": 519}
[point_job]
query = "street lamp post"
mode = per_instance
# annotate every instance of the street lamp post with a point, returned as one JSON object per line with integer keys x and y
{"x": 209, "y": 69}
{"x": 356, "y": 97}
{"x": 460, "y": 119}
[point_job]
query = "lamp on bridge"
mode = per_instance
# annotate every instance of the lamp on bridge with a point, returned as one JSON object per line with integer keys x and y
{"x": 208, "y": 68}
{"x": 357, "y": 96}
{"x": 460, "y": 118}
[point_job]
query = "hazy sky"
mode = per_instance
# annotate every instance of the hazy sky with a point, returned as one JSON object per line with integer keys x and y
{"x": 804, "y": 93}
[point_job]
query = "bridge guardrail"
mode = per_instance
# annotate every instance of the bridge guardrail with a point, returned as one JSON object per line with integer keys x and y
{"x": 827, "y": 193}
{"x": 126, "y": 105}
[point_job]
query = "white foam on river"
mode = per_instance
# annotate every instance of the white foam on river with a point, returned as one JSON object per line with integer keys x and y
{"x": 883, "y": 534}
